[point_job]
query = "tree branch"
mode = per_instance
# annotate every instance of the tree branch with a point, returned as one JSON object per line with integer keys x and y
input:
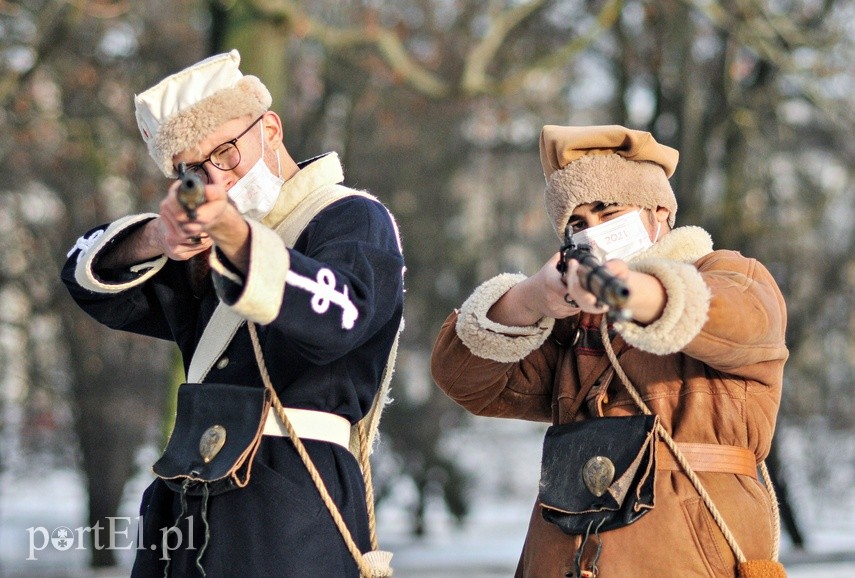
{"x": 386, "y": 42}
{"x": 474, "y": 78}
{"x": 774, "y": 39}
{"x": 605, "y": 20}
{"x": 102, "y": 9}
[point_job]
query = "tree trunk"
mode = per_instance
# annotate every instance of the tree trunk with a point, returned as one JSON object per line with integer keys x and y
{"x": 118, "y": 399}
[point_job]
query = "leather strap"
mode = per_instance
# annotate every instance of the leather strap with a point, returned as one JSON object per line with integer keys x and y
{"x": 709, "y": 458}
{"x": 310, "y": 424}
{"x": 216, "y": 337}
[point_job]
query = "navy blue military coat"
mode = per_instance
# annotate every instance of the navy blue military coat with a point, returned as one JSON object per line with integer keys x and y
{"x": 318, "y": 355}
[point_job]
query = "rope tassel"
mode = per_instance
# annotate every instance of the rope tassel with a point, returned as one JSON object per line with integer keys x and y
{"x": 379, "y": 563}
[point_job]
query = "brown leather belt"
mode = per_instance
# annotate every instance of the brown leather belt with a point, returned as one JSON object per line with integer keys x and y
{"x": 709, "y": 458}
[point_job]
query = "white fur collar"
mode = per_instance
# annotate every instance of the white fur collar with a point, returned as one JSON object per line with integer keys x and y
{"x": 321, "y": 171}
{"x": 684, "y": 244}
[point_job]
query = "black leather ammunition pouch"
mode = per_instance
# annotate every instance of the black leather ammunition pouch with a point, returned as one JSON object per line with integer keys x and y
{"x": 598, "y": 474}
{"x": 217, "y": 432}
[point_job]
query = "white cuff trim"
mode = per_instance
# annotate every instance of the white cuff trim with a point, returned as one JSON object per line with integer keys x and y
{"x": 685, "y": 311}
{"x": 91, "y": 246}
{"x": 264, "y": 288}
{"x": 219, "y": 268}
{"x": 490, "y": 340}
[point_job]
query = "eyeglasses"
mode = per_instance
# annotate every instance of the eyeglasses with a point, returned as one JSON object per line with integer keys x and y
{"x": 225, "y": 157}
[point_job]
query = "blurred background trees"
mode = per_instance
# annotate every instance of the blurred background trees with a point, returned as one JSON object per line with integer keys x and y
{"x": 435, "y": 106}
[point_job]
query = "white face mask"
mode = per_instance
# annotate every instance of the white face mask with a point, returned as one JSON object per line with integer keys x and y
{"x": 620, "y": 238}
{"x": 256, "y": 192}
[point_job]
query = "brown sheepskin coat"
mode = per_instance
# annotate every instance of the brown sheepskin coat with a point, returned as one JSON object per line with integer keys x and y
{"x": 711, "y": 368}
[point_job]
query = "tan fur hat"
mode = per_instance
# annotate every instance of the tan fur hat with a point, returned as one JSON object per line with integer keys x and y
{"x": 183, "y": 108}
{"x": 609, "y": 164}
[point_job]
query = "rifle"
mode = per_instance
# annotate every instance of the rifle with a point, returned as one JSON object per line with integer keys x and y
{"x": 191, "y": 191}
{"x": 595, "y": 278}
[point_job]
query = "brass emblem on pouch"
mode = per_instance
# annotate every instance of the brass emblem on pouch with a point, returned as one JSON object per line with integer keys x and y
{"x": 598, "y": 473}
{"x": 212, "y": 442}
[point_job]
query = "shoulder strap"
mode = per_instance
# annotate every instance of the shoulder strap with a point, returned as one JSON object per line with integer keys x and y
{"x": 224, "y": 323}
{"x": 298, "y": 219}
{"x": 371, "y": 421}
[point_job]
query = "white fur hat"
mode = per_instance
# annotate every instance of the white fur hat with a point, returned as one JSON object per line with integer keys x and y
{"x": 183, "y": 108}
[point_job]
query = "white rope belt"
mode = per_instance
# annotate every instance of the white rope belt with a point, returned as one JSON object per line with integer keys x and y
{"x": 309, "y": 424}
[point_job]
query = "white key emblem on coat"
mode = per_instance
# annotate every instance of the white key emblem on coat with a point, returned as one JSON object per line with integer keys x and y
{"x": 324, "y": 293}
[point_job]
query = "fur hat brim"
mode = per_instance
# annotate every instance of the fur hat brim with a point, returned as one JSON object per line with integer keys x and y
{"x": 608, "y": 179}
{"x": 186, "y": 129}
{"x": 181, "y": 110}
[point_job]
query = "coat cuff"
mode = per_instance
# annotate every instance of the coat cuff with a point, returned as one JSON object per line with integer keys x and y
{"x": 91, "y": 247}
{"x": 259, "y": 296}
{"x": 490, "y": 340}
{"x": 685, "y": 313}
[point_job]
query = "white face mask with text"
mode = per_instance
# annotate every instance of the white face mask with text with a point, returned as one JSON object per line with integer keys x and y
{"x": 619, "y": 238}
{"x": 256, "y": 192}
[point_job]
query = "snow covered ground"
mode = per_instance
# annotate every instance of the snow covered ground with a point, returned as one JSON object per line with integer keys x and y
{"x": 34, "y": 508}
{"x": 486, "y": 547}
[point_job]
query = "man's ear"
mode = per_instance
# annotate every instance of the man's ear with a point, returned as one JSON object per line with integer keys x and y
{"x": 661, "y": 214}
{"x": 273, "y": 129}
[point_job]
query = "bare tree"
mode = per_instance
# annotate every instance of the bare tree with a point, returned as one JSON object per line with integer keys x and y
{"x": 71, "y": 139}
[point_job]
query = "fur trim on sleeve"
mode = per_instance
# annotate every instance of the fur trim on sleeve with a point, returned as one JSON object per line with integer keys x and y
{"x": 99, "y": 240}
{"x": 264, "y": 288}
{"x": 490, "y": 340}
{"x": 685, "y": 311}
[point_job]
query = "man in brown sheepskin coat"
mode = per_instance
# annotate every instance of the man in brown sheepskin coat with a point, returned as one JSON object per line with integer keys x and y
{"x": 702, "y": 342}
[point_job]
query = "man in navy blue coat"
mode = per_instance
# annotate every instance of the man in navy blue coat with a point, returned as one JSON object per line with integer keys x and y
{"x": 326, "y": 294}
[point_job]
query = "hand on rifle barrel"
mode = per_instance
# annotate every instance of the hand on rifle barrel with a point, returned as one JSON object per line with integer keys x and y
{"x": 595, "y": 278}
